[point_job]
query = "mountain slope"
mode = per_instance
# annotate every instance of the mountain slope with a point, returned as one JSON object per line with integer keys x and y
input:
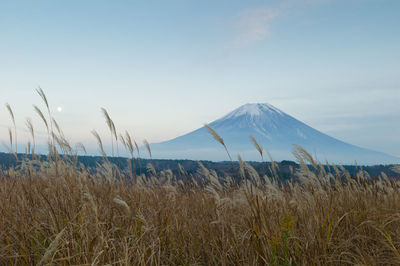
{"x": 276, "y": 132}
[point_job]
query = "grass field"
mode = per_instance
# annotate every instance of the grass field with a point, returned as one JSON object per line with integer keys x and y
{"x": 62, "y": 214}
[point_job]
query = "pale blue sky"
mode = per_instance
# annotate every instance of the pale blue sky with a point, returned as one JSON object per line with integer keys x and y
{"x": 163, "y": 68}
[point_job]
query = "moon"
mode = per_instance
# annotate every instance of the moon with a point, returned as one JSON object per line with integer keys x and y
{"x": 59, "y": 109}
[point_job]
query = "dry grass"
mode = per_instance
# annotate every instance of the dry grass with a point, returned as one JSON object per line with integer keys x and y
{"x": 76, "y": 217}
{"x": 57, "y": 212}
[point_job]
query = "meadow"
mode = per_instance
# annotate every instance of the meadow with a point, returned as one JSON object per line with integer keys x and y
{"x": 57, "y": 211}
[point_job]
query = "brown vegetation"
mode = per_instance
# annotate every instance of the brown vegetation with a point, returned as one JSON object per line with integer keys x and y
{"x": 69, "y": 216}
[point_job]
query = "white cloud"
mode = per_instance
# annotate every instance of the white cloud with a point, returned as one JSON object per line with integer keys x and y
{"x": 254, "y": 24}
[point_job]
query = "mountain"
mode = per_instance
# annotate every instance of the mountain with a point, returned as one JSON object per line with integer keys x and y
{"x": 274, "y": 130}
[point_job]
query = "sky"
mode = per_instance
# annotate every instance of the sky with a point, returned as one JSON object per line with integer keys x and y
{"x": 163, "y": 68}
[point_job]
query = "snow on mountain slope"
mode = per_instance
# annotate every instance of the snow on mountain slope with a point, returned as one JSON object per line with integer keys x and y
{"x": 276, "y": 132}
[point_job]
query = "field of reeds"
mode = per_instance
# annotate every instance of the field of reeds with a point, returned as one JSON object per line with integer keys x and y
{"x": 56, "y": 211}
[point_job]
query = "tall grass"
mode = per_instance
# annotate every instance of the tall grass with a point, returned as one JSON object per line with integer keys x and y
{"x": 59, "y": 212}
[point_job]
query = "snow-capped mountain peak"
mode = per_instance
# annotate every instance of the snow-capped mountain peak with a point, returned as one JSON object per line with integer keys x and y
{"x": 254, "y": 109}
{"x": 274, "y": 130}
